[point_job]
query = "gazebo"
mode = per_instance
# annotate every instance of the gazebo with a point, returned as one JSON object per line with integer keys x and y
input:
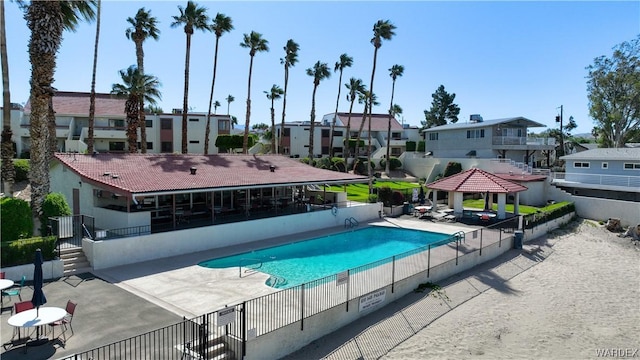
{"x": 477, "y": 181}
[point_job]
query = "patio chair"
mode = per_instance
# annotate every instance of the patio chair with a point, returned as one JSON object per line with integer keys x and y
{"x": 16, "y": 338}
{"x": 16, "y": 290}
{"x": 2, "y": 274}
{"x": 65, "y": 323}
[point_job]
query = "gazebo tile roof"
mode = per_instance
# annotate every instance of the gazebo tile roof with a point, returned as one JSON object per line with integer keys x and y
{"x": 476, "y": 180}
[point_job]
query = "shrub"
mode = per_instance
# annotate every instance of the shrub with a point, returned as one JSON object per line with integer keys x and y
{"x": 421, "y": 146}
{"x": 411, "y": 146}
{"x": 452, "y": 168}
{"x": 305, "y": 160}
{"x": 15, "y": 215}
{"x": 361, "y": 167}
{"x": 384, "y": 195}
{"x": 54, "y": 204}
{"x": 21, "y": 167}
{"x": 394, "y": 163}
{"x": 397, "y": 198}
{"x": 21, "y": 252}
{"x": 338, "y": 164}
{"x": 373, "y": 198}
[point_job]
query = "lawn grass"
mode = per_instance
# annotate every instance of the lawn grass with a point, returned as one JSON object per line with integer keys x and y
{"x": 360, "y": 192}
{"x": 524, "y": 209}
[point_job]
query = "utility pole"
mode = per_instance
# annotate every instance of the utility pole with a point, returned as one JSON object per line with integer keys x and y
{"x": 559, "y": 119}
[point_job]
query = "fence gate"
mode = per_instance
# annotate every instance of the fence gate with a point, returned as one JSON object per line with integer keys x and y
{"x": 71, "y": 229}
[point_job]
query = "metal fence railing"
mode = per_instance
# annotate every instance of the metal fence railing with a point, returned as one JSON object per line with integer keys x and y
{"x": 225, "y": 331}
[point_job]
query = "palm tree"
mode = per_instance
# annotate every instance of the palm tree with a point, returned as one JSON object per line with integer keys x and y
{"x": 46, "y": 20}
{"x": 135, "y": 85}
{"x": 255, "y": 43}
{"x": 344, "y": 62}
{"x": 319, "y": 72}
{"x": 365, "y": 97}
{"x": 395, "y": 72}
{"x": 289, "y": 60}
{"x": 216, "y": 105}
{"x": 234, "y": 122}
{"x": 92, "y": 98}
{"x": 193, "y": 18}
{"x": 143, "y": 27}
{"x": 8, "y": 171}
{"x": 221, "y": 24}
{"x": 274, "y": 94}
{"x": 355, "y": 87}
{"x": 229, "y": 99}
{"x": 382, "y": 29}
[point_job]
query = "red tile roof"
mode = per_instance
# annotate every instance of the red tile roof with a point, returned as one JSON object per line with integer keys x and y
{"x": 379, "y": 122}
{"x": 476, "y": 180}
{"x": 146, "y": 173}
{"x": 77, "y": 103}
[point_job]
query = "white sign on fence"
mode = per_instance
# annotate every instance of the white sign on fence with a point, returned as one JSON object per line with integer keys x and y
{"x": 342, "y": 278}
{"x": 226, "y": 316}
{"x": 372, "y": 299}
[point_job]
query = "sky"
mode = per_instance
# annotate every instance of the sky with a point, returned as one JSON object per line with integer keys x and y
{"x": 501, "y": 59}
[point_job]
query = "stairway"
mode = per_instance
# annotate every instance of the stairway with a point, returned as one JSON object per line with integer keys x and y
{"x": 75, "y": 262}
{"x": 215, "y": 348}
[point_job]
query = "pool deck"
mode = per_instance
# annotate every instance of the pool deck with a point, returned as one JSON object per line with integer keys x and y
{"x": 179, "y": 285}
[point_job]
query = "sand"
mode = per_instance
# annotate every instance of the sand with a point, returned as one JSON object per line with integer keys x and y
{"x": 583, "y": 298}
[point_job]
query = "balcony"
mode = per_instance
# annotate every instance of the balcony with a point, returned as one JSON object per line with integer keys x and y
{"x": 522, "y": 143}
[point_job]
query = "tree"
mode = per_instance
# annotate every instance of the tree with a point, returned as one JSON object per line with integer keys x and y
{"x": 134, "y": 86}
{"x": 229, "y": 99}
{"x": 355, "y": 87}
{"x": 216, "y": 105}
{"x": 344, "y": 62}
{"x": 92, "y": 97}
{"x": 8, "y": 172}
{"x": 255, "y": 43}
{"x": 274, "y": 94}
{"x": 319, "y": 72}
{"x": 221, "y": 24}
{"x": 382, "y": 30}
{"x": 395, "y": 72}
{"x": 365, "y": 97}
{"x": 289, "y": 60}
{"x": 46, "y": 20}
{"x": 614, "y": 94}
{"x": 143, "y": 27}
{"x": 442, "y": 109}
{"x": 193, "y": 18}
{"x": 234, "y": 122}
{"x": 153, "y": 109}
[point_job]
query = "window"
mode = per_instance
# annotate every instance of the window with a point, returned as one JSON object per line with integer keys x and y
{"x": 396, "y": 151}
{"x": 396, "y": 136}
{"x": 605, "y": 165}
{"x": 325, "y": 133}
{"x": 223, "y": 124}
{"x": 117, "y": 123}
{"x": 194, "y": 119}
{"x": 632, "y": 166}
{"x": 325, "y": 150}
{"x": 578, "y": 164}
{"x": 337, "y": 133}
{"x": 149, "y": 145}
{"x": 194, "y": 141}
{"x": 166, "y": 124}
{"x": 287, "y": 132}
{"x": 471, "y": 134}
{"x": 166, "y": 147}
{"x": 148, "y": 123}
{"x": 116, "y": 145}
{"x": 433, "y": 136}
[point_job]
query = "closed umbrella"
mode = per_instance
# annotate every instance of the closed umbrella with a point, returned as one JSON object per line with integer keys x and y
{"x": 38, "y": 298}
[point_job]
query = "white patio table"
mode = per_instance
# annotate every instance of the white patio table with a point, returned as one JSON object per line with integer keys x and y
{"x": 36, "y": 318}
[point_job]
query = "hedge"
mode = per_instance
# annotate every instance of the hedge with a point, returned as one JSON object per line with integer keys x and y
{"x": 15, "y": 218}
{"x": 21, "y": 252}
{"x": 533, "y": 220}
{"x": 21, "y": 167}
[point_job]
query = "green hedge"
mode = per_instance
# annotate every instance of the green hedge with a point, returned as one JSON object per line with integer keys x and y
{"x": 452, "y": 169}
{"x": 421, "y": 146}
{"x": 55, "y": 204}
{"x": 411, "y": 146}
{"x": 224, "y": 142}
{"x": 394, "y": 163}
{"x": 21, "y": 167}
{"x": 548, "y": 213}
{"x": 361, "y": 166}
{"x": 21, "y": 252}
{"x": 15, "y": 219}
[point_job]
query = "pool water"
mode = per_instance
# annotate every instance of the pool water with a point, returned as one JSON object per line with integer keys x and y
{"x": 305, "y": 261}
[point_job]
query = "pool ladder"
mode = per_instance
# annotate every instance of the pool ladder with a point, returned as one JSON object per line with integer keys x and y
{"x": 249, "y": 269}
{"x": 350, "y": 222}
{"x": 459, "y": 236}
{"x": 275, "y": 281}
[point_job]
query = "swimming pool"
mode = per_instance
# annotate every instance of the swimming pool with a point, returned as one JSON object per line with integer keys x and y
{"x": 312, "y": 259}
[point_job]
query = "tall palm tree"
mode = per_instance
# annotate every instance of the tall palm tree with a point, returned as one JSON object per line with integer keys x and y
{"x": 143, "y": 27}
{"x": 289, "y": 60}
{"x": 274, "y": 94}
{"x": 216, "y": 105}
{"x": 365, "y": 97}
{"x": 255, "y": 43}
{"x": 8, "y": 172}
{"x": 395, "y": 72}
{"x": 135, "y": 85}
{"x": 46, "y": 20}
{"x": 355, "y": 87}
{"x": 193, "y": 18}
{"x": 221, "y": 24}
{"x": 229, "y": 99}
{"x": 234, "y": 122}
{"x": 92, "y": 98}
{"x": 382, "y": 30}
{"x": 344, "y": 62}
{"x": 319, "y": 72}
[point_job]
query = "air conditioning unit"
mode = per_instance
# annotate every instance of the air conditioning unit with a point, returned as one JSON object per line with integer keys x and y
{"x": 177, "y": 111}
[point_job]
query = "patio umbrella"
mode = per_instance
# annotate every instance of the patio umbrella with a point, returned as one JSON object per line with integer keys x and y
{"x": 486, "y": 201}
{"x": 38, "y": 298}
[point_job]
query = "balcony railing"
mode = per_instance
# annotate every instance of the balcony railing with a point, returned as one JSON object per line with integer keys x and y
{"x": 514, "y": 140}
{"x": 596, "y": 179}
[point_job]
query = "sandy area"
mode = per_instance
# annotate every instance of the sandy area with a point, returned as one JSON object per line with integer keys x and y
{"x": 583, "y": 297}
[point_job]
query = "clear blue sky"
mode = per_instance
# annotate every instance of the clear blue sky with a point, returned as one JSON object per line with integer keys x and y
{"x": 501, "y": 59}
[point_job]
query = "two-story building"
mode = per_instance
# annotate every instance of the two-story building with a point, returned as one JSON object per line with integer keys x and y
{"x": 295, "y": 136}
{"x": 163, "y": 131}
{"x": 500, "y": 138}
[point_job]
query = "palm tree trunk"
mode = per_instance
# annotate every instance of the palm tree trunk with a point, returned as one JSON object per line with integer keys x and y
{"x": 335, "y": 114}
{"x": 373, "y": 72}
{"x": 245, "y": 140}
{"x": 387, "y": 167}
{"x": 273, "y": 128}
{"x": 46, "y": 37}
{"x": 207, "y": 131}
{"x": 312, "y": 127}
{"x": 284, "y": 107}
{"x": 132, "y": 106}
{"x": 51, "y": 125}
{"x": 8, "y": 171}
{"x": 185, "y": 103}
{"x": 358, "y": 138}
{"x": 92, "y": 99}
{"x": 348, "y": 137}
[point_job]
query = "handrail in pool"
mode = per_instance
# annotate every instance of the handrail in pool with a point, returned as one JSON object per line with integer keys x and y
{"x": 350, "y": 222}
{"x": 249, "y": 268}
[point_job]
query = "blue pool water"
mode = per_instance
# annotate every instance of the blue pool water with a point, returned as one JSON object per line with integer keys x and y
{"x": 313, "y": 259}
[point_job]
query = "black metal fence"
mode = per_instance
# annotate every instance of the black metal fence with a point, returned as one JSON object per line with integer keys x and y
{"x": 71, "y": 229}
{"x": 225, "y": 331}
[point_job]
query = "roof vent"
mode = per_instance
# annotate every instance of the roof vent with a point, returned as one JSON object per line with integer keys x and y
{"x": 106, "y": 173}
{"x": 193, "y": 170}
{"x": 115, "y": 176}
{"x": 272, "y": 168}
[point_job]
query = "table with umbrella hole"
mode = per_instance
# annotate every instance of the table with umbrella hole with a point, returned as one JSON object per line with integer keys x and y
{"x": 36, "y": 318}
